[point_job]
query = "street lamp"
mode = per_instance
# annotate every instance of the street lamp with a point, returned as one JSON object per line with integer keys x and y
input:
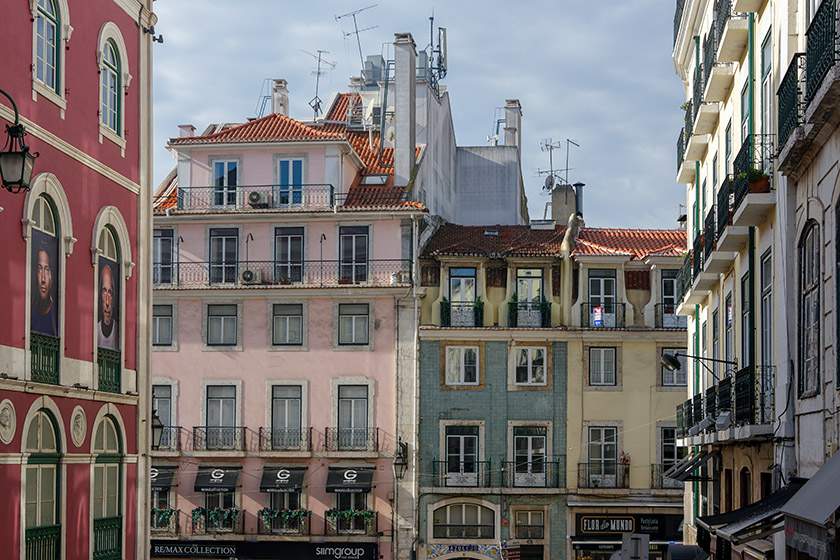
{"x": 671, "y": 362}
{"x": 157, "y": 430}
{"x": 16, "y": 161}
{"x": 401, "y": 460}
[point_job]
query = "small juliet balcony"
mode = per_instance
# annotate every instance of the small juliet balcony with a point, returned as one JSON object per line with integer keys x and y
{"x": 351, "y": 439}
{"x": 685, "y": 169}
{"x": 730, "y": 238}
{"x": 217, "y": 521}
{"x": 603, "y": 474}
{"x": 535, "y": 314}
{"x": 603, "y": 315}
{"x": 43, "y": 542}
{"x": 754, "y": 198}
{"x": 716, "y": 261}
{"x": 164, "y": 522}
{"x": 107, "y": 538}
{"x": 531, "y": 474}
{"x": 170, "y": 439}
{"x": 285, "y": 439}
{"x": 109, "y": 370}
{"x": 350, "y": 522}
{"x": 791, "y": 115}
{"x": 755, "y": 395}
{"x": 461, "y": 313}
{"x": 285, "y": 522}
{"x": 731, "y": 32}
{"x": 239, "y": 198}
{"x": 665, "y": 317}
{"x": 462, "y": 474}
{"x": 219, "y": 438}
{"x": 45, "y": 358}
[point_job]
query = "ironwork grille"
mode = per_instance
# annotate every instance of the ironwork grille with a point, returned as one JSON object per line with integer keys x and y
{"x": 45, "y": 358}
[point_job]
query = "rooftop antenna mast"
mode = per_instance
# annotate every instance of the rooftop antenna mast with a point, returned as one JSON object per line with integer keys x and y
{"x": 548, "y": 145}
{"x": 265, "y": 95}
{"x": 356, "y": 31}
{"x": 316, "y": 101}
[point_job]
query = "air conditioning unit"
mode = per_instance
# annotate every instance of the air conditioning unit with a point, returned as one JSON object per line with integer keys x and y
{"x": 250, "y": 276}
{"x": 258, "y": 199}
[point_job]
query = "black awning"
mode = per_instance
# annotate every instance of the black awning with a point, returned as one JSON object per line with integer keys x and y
{"x": 282, "y": 479}
{"x": 220, "y": 479}
{"x": 819, "y": 497}
{"x": 161, "y": 477}
{"x": 682, "y": 470}
{"x": 350, "y": 479}
{"x": 754, "y": 521}
{"x": 686, "y": 552}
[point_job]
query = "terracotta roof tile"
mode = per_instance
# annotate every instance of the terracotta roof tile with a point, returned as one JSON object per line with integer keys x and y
{"x": 271, "y": 128}
{"x": 635, "y": 243}
{"x": 453, "y": 239}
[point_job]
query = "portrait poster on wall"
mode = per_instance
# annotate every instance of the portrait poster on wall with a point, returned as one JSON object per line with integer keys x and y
{"x": 108, "y": 316}
{"x": 44, "y": 274}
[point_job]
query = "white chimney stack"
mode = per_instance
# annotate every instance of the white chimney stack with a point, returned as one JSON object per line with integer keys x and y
{"x": 280, "y": 98}
{"x": 513, "y": 123}
{"x": 186, "y": 130}
{"x": 405, "y": 61}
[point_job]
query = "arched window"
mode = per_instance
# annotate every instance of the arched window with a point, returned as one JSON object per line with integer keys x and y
{"x": 107, "y": 481}
{"x": 45, "y": 267}
{"x": 809, "y": 310}
{"x": 111, "y": 85}
{"x": 108, "y": 315}
{"x": 464, "y": 521}
{"x": 47, "y": 41}
{"x": 43, "y": 529}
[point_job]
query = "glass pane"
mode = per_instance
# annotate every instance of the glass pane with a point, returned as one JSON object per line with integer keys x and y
{"x": 453, "y": 365}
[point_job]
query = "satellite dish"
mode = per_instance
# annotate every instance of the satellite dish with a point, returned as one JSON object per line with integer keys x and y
{"x": 549, "y": 182}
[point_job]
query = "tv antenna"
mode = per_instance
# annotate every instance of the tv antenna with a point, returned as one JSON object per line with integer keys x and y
{"x": 316, "y": 101}
{"x": 265, "y": 96}
{"x": 356, "y": 31}
{"x": 548, "y": 145}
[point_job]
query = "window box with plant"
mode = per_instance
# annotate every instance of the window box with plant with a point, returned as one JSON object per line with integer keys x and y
{"x": 759, "y": 180}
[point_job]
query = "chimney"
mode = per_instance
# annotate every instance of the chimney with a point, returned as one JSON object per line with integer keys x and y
{"x": 513, "y": 123}
{"x": 187, "y": 130}
{"x": 405, "y": 59}
{"x": 280, "y": 98}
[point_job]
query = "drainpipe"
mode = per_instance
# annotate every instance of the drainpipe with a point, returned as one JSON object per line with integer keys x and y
{"x": 695, "y": 491}
{"x": 751, "y": 250}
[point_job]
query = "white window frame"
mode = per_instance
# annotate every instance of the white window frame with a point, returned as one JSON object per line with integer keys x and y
{"x": 64, "y": 30}
{"x": 225, "y": 188}
{"x": 602, "y": 351}
{"x": 337, "y": 344}
{"x": 109, "y": 32}
{"x": 672, "y": 378}
{"x": 304, "y": 163}
{"x": 237, "y": 383}
{"x": 224, "y": 319}
{"x": 205, "y": 309}
{"x": 285, "y": 318}
{"x": 459, "y": 500}
{"x": 461, "y": 350}
{"x": 530, "y": 351}
{"x": 156, "y": 325}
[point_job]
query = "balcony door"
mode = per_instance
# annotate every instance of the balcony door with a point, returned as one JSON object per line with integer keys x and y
{"x": 162, "y": 256}
{"x": 285, "y": 417}
{"x": 670, "y": 319}
{"x": 225, "y": 179}
{"x": 602, "y": 298}
{"x": 352, "y": 417}
{"x": 288, "y": 247}
{"x": 224, "y": 254}
{"x": 353, "y": 254}
{"x": 221, "y": 417}
{"x": 603, "y": 456}
{"x": 289, "y": 183}
{"x": 529, "y": 296}
{"x": 529, "y": 456}
{"x": 462, "y": 296}
{"x": 462, "y": 456}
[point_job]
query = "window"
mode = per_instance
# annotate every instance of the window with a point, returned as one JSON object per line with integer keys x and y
{"x": 44, "y": 277}
{"x": 729, "y": 340}
{"x": 347, "y": 501}
{"x": 529, "y": 285}
{"x": 110, "y": 82}
{"x": 602, "y": 366}
{"x": 352, "y": 417}
{"x": 288, "y": 247}
{"x": 289, "y": 182}
{"x": 221, "y": 500}
{"x": 462, "y": 456}
{"x": 463, "y": 521}
{"x": 353, "y": 324}
{"x": 670, "y": 319}
{"x": 286, "y": 417}
{"x": 603, "y": 455}
{"x": 767, "y": 93}
{"x": 766, "y": 309}
{"x": 668, "y": 440}
{"x": 287, "y": 324}
{"x": 728, "y": 143}
{"x": 714, "y": 172}
{"x": 745, "y": 483}
{"x": 745, "y": 113}
{"x": 462, "y": 285}
{"x": 221, "y": 325}
{"x": 353, "y": 253}
{"x": 809, "y": 310}
{"x": 529, "y": 453}
{"x": 285, "y": 501}
{"x": 47, "y": 41}
{"x": 746, "y": 321}
{"x": 462, "y": 365}
{"x": 224, "y": 248}
{"x": 530, "y": 524}
{"x": 107, "y": 491}
{"x": 162, "y": 256}
{"x": 221, "y": 431}
{"x": 40, "y": 514}
{"x": 160, "y": 502}
{"x": 225, "y": 179}
{"x": 161, "y": 325}
{"x": 162, "y": 406}
{"x": 715, "y": 341}
{"x": 602, "y": 306}
{"x": 703, "y": 198}
{"x": 530, "y": 366}
{"x": 678, "y": 377}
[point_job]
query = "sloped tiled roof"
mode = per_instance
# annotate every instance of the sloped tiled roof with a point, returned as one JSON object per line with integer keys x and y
{"x": 633, "y": 243}
{"x": 271, "y": 128}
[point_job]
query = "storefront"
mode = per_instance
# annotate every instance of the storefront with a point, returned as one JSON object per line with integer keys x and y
{"x": 812, "y": 516}
{"x": 598, "y": 535}
{"x": 263, "y": 550}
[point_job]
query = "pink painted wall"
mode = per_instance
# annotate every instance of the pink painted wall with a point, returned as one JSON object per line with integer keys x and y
{"x": 257, "y": 165}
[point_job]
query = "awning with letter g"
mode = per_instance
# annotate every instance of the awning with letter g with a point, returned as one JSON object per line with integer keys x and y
{"x": 282, "y": 479}
{"x": 219, "y": 479}
{"x": 350, "y": 479}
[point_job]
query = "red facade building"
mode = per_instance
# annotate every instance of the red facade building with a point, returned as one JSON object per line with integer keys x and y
{"x": 76, "y": 284}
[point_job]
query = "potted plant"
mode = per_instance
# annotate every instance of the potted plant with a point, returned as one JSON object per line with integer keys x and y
{"x": 285, "y": 280}
{"x": 759, "y": 180}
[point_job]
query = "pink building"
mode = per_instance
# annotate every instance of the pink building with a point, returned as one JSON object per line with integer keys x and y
{"x": 282, "y": 253}
{"x": 76, "y": 280}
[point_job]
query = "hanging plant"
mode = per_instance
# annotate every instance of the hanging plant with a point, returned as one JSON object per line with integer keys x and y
{"x": 286, "y": 515}
{"x": 197, "y": 514}
{"x": 349, "y": 514}
{"x": 161, "y": 516}
{"x": 218, "y": 515}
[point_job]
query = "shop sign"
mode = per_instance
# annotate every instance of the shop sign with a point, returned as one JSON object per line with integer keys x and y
{"x": 662, "y": 526}
{"x": 265, "y": 550}
{"x": 489, "y": 550}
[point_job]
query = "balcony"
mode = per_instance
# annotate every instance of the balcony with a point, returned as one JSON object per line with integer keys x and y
{"x": 682, "y": 428}
{"x": 164, "y": 522}
{"x": 791, "y": 111}
{"x": 531, "y": 474}
{"x": 535, "y": 314}
{"x": 709, "y": 237}
{"x": 285, "y": 439}
{"x": 45, "y": 358}
{"x": 706, "y": 118}
{"x": 252, "y": 274}
{"x": 461, "y": 313}
{"x": 603, "y": 474}
{"x": 754, "y": 198}
{"x": 744, "y": 6}
{"x": 731, "y": 32}
{"x": 351, "y": 439}
{"x": 684, "y": 277}
{"x": 821, "y": 51}
{"x": 218, "y": 438}
{"x": 295, "y": 522}
{"x": 685, "y": 169}
{"x": 711, "y": 403}
{"x": 604, "y": 315}
{"x": 462, "y": 474}
{"x": 170, "y": 439}
{"x": 350, "y": 522}
{"x": 666, "y": 317}
{"x": 107, "y": 538}
{"x": 108, "y": 365}
{"x": 43, "y": 543}
{"x": 240, "y": 198}
{"x": 217, "y": 521}
{"x": 678, "y": 12}
{"x": 754, "y": 395}
{"x": 659, "y": 481}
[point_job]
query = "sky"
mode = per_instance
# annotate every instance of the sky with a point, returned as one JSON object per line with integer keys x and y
{"x": 597, "y": 73}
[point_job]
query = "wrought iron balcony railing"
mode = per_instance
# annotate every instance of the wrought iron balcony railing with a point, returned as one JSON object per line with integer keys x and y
{"x": 711, "y": 402}
{"x": 165, "y": 521}
{"x": 752, "y": 167}
{"x": 255, "y": 197}
{"x": 219, "y": 438}
{"x": 217, "y": 520}
{"x": 697, "y": 255}
{"x": 461, "y": 531}
{"x": 462, "y": 313}
{"x": 351, "y": 522}
{"x": 45, "y": 358}
{"x": 43, "y": 543}
{"x": 678, "y": 12}
{"x": 274, "y": 523}
{"x": 531, "y": 474}
{"x": 724, "y": 395}
{"x": 381, "y": 272}
{"x": 688, "y": 118}
{"x": 792, "y": 98}
{"x": 682, "y": 429}
{"x": 107, "y": 538}
{"x": 724, "y": 206}
{"x": 658, "y": 480}
{"x": 709, "y": 57}
{"x": 603, "y": 474}
{"x": 666, "y": 317}
{"x": 285, "y": 439}
{"x": 821, "y": 50}
{"x": 170, "y": 439}
{"x": 688, "y": 414}
{"x": 351, "y": 439}
{"x": 754, "y": 395}
{"x": 462, "y": 474}
{"x": 529, "y": 314}
{"x": 684, "y": 276}
{"x": 723, "y": 13}
{"x": 709, "y": 233}
{"x": 108, "y": 362}
{"x": 607, "y": 315}
{"x": 680, "y": 148}
{"x": 697, "y": 408}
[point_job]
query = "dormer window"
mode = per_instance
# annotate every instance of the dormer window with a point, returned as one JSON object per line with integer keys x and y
{"x": 462, "y": 285}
